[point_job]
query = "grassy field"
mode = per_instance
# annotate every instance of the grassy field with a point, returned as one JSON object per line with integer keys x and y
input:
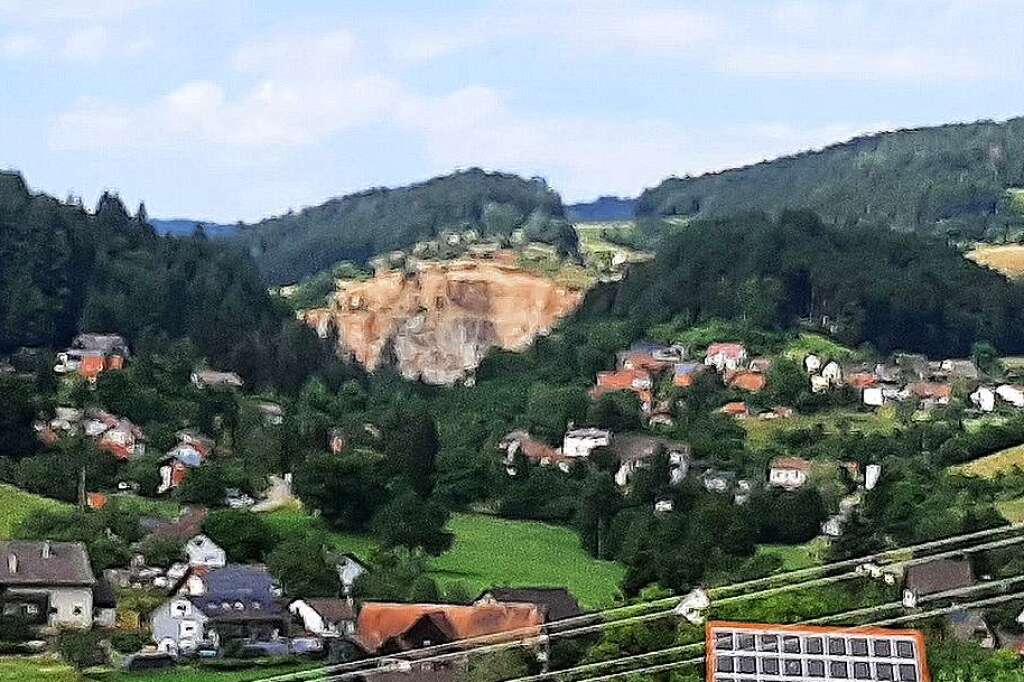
{"x": 1007, "y": 259}
{"x": 760, "y": 432}
{"x": 45, "y": 669}
{"x": 490, "y": 551}
{"x": 1012, "y": 510}
{"x": 17, "y": 505}
{"x": 796, "y": 557}
{"x": 988, "y": 467}
{"x": 817, "y": 344}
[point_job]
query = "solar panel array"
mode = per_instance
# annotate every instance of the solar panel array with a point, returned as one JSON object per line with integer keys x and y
{"x": 742, "y": 652}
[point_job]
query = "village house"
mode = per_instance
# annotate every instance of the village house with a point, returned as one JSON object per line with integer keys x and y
{"x": 92, "y": 354}
{"x": 349, "y": 568}
{"x": 684, "y": 374}
{"x": 520, "y": 442}
{"x": 637, "y": 451}
{"x": 48, "y": 583}
{"x": 745, "y": 380}
{"x": 1011, "y": 394}
{"x": 762, "y": 364}
{"x": 872, "y": 474}
{"x": 970, "y": 625}
{"x": 637, "y": 381}
{"x": 651, "y": 357}
{"x": 209, "y": 607}
{"x": 819, "y": 384}
{"x": 940, "y": 575}
{"x": 737, "y": 410}
{"x": 124, "y": 440}
{"x": 964, "y": 370}
{"x": 812, "y": 363}
{"x": 579, "y": 443}
{"x": 325, "y": 617}
{"x": 984, "y": 398}
{"x": 208, "y": 378}
{"x": 555, "y": 603}
{"x": 788, "y": 472}
{"x": 888, "y": 373}
{"x": 104, "y": 604}
{"x": 202, "y": 551}
{"x": 384, "y": 628}
{"x": 723, "y": 356}
{"x": 717, "y": 481}
{"x": 930, "y": 393}
{"x": 272, "y": 413}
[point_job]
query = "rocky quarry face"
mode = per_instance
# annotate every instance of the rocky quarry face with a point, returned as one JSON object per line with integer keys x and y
{"x": 437, "y": 322}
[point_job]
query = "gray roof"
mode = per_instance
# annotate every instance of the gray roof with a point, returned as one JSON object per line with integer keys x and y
{"x": 67, "y": 564}
{"x": 638, "y": 446}
{"x": 248, "y": 589}
{"x": 940, "y": 575}
{"x": 558, "y": 602}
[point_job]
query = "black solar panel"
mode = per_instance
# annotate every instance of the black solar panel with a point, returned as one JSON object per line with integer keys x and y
{"x": 744, "y": 652}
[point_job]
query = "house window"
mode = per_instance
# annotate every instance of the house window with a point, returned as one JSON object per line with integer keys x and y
{"x": 239, "y": 606}
{"x": 76, "y": 610}
{"x": 256, "y": 605}
{"x": 32, "y": 609}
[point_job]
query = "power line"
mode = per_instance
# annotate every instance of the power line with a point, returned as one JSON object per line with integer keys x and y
{"x": 695, "y": 646}
{"x": 508, "y": 639}
{"x": 891, "y": 621}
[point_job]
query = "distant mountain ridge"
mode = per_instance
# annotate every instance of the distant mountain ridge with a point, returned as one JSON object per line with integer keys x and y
{"x": 184, "y": 227}
{"x": 362, "y": 225}
{"x": 949, "y": 178}
{"x": 604, "y": 208}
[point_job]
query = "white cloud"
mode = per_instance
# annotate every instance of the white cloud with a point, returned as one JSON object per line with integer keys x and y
{"x": 87, "y": 45}
{"x": 91, "y": 125}
{"x": 899, "y": 64}
{"x": 17, "y": 46}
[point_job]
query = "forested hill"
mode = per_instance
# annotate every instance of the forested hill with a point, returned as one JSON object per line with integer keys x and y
{"x": 945, "y": 178}
{"x": 602, "y": 209}
{"x": 896, "y": 291}
{"x": 359, "y": 226}
{"x": 65, "y": 270}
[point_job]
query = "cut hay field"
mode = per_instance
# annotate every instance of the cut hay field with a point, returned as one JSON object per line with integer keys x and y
{"x": 17, "y": 505}
{"x": 996, "y": 463}
{"x": 1007, "y": 259}
{"x": 490, "y": 551}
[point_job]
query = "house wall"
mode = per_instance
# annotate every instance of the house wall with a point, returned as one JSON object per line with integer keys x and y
{"x": 171, "y": 621}
{"x": 787, "y": 478}
{"x": 69, "y": 606}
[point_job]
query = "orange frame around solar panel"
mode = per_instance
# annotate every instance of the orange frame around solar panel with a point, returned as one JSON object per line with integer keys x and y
{"x": 921, "y": 657}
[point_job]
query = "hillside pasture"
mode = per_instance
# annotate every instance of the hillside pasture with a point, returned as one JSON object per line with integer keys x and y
{"x": 994, "y": 464}
{"x": 490, "y": 551}
{"x": 17, "y": 505}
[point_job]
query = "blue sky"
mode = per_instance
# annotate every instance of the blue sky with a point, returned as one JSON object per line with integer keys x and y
{"x": 232, "y": 109}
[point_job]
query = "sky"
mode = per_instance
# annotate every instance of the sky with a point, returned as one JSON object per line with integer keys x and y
{"x": 232, "y": 110}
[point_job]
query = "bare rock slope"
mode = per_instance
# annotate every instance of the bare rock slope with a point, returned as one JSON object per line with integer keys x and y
{"x": 437, "y": 321}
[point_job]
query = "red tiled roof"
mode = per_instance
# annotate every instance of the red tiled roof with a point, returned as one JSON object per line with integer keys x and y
{"x": 797, "y": 463}
{"x": 733, "y": 350}
{"x": 379, "y": 623}
{"x": 734, "y": 408}
{"x": 861, "y": 380}
{"x": 926, "y": 389}
{"x": 747, "y": 381}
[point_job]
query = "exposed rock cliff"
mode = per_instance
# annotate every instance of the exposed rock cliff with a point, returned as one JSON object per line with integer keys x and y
{"x": 438, "y": 321}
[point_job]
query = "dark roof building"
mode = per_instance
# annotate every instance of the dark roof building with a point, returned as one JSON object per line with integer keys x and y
{"x": 557, "y": 603}
{"x": 32, "y": 562}
{"x": 939, "y": 576}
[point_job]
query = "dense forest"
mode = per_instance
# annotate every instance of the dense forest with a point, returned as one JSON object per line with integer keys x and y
{"x": 889, "y": 289}
{"x": 359, "y": 226}
{"x": 950, "y": 178}
{"x": 68, "y": 270}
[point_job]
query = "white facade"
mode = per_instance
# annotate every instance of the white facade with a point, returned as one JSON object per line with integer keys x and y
{"x": 984, "y": 399}
{"x": 202, "y": 551}
{"x": 832, "y": 372}
{"x": 725, "y": 360}
{"x": 812, "y": 363}
{"x": 872, "y": 473}
{"x": 349, "y": 570}
{"x": 1011, "y": 394}
{"x": 819, "y": 384}
{"x": 581, "y": 442}
{"x": 873, "y": 396}
{"x": 786, "y": 477}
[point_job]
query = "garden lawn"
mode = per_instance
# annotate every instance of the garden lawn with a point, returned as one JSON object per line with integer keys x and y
{"x": 13, "y": 669}
{"x": 996, "y": 463}
{"x": 1012, "y": 510}
{"x": 491, "y": 552}
{"x": 796, "y": 557}
{"x": 761, "y": 432}
{"x": 17, "y": 505}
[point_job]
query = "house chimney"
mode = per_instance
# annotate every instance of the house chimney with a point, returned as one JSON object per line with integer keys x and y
{"x": 12, "y": 563}
{"x": 46, "y": 549}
